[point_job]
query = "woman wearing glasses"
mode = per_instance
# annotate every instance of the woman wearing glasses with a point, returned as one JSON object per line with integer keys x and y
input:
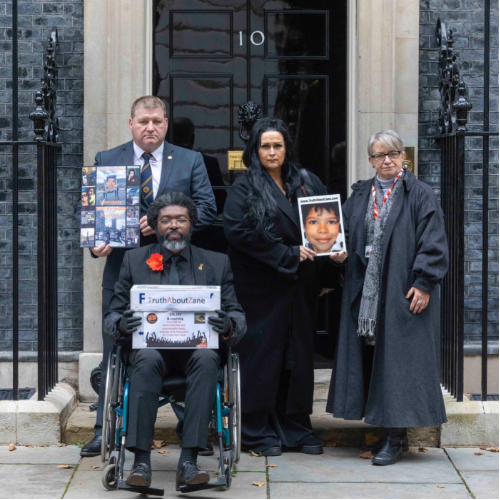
{"x": 387, "y": 363}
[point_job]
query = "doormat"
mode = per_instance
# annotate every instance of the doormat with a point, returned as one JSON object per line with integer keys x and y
{"x": 477, "y": 397}
{"x": 22, "y": 394}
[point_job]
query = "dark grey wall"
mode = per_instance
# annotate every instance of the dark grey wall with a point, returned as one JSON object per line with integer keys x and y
{"x": 36, "y": 18}
{"x": 466, "y": 19}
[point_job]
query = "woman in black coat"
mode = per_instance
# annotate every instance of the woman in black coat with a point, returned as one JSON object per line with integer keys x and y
{"x": 277, "y": 282}
{"x": 387, "y": 361}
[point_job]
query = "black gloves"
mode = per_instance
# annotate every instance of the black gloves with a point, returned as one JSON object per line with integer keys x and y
{"x": 221, "y": 324}
{"x": 127, "y": 325}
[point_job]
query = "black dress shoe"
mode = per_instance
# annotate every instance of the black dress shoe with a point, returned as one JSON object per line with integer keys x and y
{"x": 93, "y": 447}
{"x": 206, "y": 452}
{"x": 315, "y": 449}
{"x": 393, "y": 447}
{"x": 274, "y": 451}
{"x": 311, "y": 445}
{"x": 140, "y": 475}
{"x": 189, "y": 473}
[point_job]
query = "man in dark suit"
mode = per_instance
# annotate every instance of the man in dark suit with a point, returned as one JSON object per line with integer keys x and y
{"x": 164, "y": 168}
{"x": 172, "y": 217}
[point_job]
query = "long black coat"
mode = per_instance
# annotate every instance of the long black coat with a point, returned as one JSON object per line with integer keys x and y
{"x": 279, "y": 296}
{"x": 405, "y": 383}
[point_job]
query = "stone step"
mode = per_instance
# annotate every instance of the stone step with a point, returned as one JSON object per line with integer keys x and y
{"x": 332, "y": 431}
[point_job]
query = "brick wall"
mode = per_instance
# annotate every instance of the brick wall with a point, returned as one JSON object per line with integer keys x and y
{"x": 466, "y": 19}
{"x": 36, "y": 19}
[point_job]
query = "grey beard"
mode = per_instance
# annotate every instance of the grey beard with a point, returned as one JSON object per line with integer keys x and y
{"x": 175, "y": 245}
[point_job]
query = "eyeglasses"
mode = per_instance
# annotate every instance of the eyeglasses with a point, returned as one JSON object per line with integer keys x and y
{"x": 393, "y": 155}
{"x": 165, "y": 221}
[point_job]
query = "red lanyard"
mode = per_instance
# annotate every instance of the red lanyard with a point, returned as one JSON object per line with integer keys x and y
{"x": 389, "y": 191}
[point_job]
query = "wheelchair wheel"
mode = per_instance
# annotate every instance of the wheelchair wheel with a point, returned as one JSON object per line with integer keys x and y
{"x": 236, "y": 413}
{"x": 108, "y": 478}
{"x": 109, "y": 415}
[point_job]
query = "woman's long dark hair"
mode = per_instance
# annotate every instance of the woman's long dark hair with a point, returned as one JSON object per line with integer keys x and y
{"x": 261, "y": 209}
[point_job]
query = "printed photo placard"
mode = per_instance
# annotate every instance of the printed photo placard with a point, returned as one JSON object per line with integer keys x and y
{"x": 110, "y": 206}
{"x": 322, "y": 224}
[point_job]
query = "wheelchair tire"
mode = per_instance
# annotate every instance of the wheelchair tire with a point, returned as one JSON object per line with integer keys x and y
{"x": 108, "y": 478}
{"x": 108, "y": 414}
{"x": 236, "y": 413}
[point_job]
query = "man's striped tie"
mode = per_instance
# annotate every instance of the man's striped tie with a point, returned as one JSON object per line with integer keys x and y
{"x": 147, "y": 179}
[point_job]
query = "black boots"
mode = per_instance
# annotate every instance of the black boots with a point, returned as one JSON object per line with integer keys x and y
{"x": 394, "y": 445}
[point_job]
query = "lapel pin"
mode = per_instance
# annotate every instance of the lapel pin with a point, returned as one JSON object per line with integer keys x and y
{"x": 169, "y": 157}
{"x": 200, "y": 267}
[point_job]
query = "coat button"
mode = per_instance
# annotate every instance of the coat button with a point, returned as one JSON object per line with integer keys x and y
{"x": 353, "y": 249}
{"x": 295, "y": 277}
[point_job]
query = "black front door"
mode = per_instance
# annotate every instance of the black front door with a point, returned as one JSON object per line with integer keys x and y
{"x": 210, "y": 56}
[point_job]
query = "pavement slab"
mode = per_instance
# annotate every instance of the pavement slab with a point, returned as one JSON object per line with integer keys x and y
{"x": 483, "y": 484}
{"x": 343, "y": 465}
{"x": 169, "y": 460}
{"x": 40, "y": 455}
{"x": 33, "y": 481}
{"x": 367, "y": 490}
{"x": 87, "y": 484}
{"x": 465, "y": 459}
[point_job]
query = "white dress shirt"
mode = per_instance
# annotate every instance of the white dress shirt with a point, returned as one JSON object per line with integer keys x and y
{"x": 155, "y": 161}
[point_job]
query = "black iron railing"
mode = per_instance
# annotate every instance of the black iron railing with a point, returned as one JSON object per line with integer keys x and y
{"x": 45, "y": 142}
{"x": 452, "y": 140}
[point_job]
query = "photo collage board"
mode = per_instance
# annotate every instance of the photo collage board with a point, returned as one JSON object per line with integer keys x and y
{"x": 110, "y": 206}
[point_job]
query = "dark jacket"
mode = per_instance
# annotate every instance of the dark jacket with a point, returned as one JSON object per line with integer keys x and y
{"x": 182, "y": 170}
{"x": 405, "y": 380}
{"x": 210, "y": 269}
{"x": 279, "y": 296}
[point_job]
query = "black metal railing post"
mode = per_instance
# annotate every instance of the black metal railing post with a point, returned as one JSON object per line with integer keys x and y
{"x": 486, "y": 154}
{"x": 452, "y": 137}
{"x": 15, "y": 206}
{"x": 46, "y": 134}
{"x": 46, "y": 129}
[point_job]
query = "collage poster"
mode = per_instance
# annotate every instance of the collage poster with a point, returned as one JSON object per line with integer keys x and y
{"x": 110, "y": 206}
{"x": 322, "y": 224}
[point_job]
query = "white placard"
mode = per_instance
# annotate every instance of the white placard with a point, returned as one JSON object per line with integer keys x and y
{"x": 322, "y": 224}
{"x": 175, "y": 317}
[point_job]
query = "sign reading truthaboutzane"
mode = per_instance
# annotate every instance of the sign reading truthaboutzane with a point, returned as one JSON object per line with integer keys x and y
{"x": 175, "y": 317}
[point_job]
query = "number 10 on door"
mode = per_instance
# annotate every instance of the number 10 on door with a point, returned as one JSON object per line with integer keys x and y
{"x": 252, "y": 38}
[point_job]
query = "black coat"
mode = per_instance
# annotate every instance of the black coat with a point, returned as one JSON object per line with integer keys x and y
{"x": 279, "y": 296}
{"x": 405, "y": 382}
{"x": 210, "y": 269}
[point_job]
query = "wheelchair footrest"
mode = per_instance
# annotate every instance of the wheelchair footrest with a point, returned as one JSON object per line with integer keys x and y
{"x": 122, "y": 485}
{"x": 188, "y": 488}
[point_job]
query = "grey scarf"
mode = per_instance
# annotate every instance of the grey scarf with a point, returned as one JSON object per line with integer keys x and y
{"x": 368, "y": 311}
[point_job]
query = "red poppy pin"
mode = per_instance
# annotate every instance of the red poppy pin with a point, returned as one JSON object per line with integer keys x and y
{"x": 155, "y": 262}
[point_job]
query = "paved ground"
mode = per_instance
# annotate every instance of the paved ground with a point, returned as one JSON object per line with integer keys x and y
{"x": 339, "y": 473}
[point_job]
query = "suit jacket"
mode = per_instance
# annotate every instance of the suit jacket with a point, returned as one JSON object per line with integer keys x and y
{"x": 211, "y": 269}
{"x": 182, "y": 170}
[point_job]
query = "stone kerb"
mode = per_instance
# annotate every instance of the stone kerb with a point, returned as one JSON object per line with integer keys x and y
{"x": 470, "y": 423}
{"x": 35, "y": 422}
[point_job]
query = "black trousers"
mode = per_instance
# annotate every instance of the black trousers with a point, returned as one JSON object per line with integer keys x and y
{"x": 147, "y": 369}
{"x": 107, "y": 346}
{"x": 260, "y": 431}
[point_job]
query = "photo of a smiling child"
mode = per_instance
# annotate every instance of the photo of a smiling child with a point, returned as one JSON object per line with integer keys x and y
{"x": 322, "y": 224}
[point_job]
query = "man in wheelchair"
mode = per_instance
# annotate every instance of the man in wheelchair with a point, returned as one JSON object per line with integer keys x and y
{"x": 172, "y": 216}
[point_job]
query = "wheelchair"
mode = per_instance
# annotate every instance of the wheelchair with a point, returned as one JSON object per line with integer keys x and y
{"x": 225, "y": 421}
